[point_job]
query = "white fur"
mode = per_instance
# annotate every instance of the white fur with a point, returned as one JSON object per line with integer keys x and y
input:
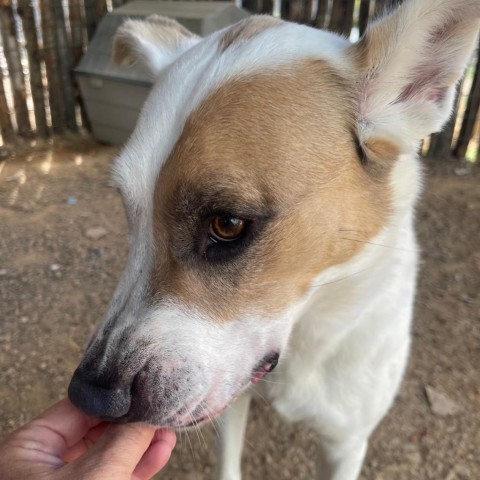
{"x": 348, "y": 338}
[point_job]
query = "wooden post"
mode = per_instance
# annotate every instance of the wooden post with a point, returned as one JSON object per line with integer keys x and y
{"x": 5, "y": 121}
{"x": 52, "y": 66}
{"x": 322, "y": 9}
{"x": 471, "y": 114}
{"x": 307, "y": 13}
{"x": 385, "y": 5}
{"x": 341, "y": 20}
{"x": 90, "y": 17}
{"x": 78, "y": 36}
{"x": 26, "y": 13}
{"x": 76, "y": 30}
{"x": 101, "y": 10}
{"x": 11, "y": 50}
{"x": 441, "y": 142}
{"x": 65, "y": 64}
{"x": 293, "y": 10}
{"x": 363, "y": 16}
{"x": 267, "y": 7}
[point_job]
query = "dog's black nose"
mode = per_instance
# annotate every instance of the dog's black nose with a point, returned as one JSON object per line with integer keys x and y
{"x": 98, "y": 399}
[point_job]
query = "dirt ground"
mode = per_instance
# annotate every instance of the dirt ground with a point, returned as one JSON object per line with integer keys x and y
{"x": 55, "y": 282}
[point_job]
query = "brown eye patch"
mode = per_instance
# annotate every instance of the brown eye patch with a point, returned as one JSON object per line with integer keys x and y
{"x": 226, "y": 228}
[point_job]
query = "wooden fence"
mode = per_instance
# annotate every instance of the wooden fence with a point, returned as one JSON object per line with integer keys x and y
{"x": 41, "y": 41}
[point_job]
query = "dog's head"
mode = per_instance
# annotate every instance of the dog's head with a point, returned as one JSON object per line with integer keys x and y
{"x": 258, "y": 148}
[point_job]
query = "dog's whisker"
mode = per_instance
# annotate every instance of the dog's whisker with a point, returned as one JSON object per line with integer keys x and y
{"x": 194, "y": 457}
{"x": 197, "y": 429}
{"x": 212, "y": 421}
{"x": 267, "y": 380}
{"x": 262, "y": 397}
{"x": 358, "y": 272}
{"x": 216, "y": 421}
{"x": 393, "y": 247}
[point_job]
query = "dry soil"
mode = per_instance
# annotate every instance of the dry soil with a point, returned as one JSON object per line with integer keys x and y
{"x": 55, "y": 282}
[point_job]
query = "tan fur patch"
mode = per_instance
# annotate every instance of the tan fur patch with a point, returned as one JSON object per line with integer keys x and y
{"x": 247, "y": 29}
{"x": 282, "y": 140}
{"x": 381, "y": 155}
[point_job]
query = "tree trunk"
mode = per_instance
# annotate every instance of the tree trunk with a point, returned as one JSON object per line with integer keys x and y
{"x": 6, "y": 126}
{"x": 471, "y": 114}
{"x": 52, "y": 65}
{"x": 341, "y": 20}
{"x": 26, "y": 12}
{"x": 11, "y": 50}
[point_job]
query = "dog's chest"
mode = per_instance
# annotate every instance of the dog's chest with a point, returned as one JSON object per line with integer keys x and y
{"x": 346, "y": 356}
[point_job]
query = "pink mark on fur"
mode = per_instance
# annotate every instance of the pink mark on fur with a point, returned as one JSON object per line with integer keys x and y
{"x": 261, "y": 372}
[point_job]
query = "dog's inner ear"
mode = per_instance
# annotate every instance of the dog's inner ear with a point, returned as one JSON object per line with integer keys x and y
{"x": 154, "y": 42}
{"x": 409, "y": 62}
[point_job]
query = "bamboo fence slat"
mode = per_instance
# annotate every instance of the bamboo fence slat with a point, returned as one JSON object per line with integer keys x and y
{"x": 77, "y": 39}
{"x": 55, "y": 90}
{"x": 441, "y": 143}
{"x": 35, "y": 59}
{"x": 341, "y": 20}
{"x": 65, "y": 64}
{"x": 471, "y": 114}
{"x": 6, "y": 126}
{"x": 363, "y": 15}
{"x": 11, "y": 50}
{"x": 322, "y": 9}
{"x": 50, "y": 44}
{"x": 90, "y": 8}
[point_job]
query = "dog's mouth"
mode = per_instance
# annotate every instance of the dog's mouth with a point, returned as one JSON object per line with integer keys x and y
{"x": 266, "y": 365}
{"x": 197, "y": 412}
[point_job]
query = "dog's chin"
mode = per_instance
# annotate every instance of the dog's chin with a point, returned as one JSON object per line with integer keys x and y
{"x": 191, "y": 418}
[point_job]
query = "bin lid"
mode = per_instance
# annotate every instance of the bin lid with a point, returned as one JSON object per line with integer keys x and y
{"x": 201, "y": 18}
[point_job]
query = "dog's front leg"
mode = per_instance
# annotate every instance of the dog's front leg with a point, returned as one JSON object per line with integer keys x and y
{"x": 341, "y": 461}
{"x": 230, "y": 441}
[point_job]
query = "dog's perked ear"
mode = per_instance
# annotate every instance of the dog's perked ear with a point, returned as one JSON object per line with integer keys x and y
{"x": 154, "y": 42}
{"x": 409, "y": 62}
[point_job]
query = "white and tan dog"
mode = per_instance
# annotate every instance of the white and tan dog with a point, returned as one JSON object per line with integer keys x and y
{"x": 270, "y": 188}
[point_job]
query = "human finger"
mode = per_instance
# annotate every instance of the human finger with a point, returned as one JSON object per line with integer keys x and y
{"x": 85, "y": 443}
{"x": 116, "y": 454}
{"x": 156, "y": 456}
{"x": 56, "y": 429}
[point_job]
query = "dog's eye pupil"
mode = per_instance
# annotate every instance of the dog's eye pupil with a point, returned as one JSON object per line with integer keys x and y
{"x": 226, "y": 228}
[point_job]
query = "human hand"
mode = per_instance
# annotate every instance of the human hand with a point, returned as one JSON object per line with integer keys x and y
{"x": 64, "y": 443}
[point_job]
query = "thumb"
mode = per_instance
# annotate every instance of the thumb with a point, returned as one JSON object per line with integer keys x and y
{"x": 116, "y": 454}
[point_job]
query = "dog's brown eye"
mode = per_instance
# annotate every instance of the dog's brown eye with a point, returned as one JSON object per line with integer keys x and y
{"x": 226, "y": 228}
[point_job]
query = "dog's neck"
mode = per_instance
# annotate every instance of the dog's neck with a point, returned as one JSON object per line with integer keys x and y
{"x": 341, "y": 296}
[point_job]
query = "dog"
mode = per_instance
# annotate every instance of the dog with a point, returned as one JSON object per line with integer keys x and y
{"x": 270, "y": 189}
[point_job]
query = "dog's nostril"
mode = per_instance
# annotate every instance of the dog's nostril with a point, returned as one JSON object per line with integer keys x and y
{"x": 98, "y": 400}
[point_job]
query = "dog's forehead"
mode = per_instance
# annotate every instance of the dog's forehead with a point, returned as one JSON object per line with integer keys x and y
{"x": 220, "y": 58}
